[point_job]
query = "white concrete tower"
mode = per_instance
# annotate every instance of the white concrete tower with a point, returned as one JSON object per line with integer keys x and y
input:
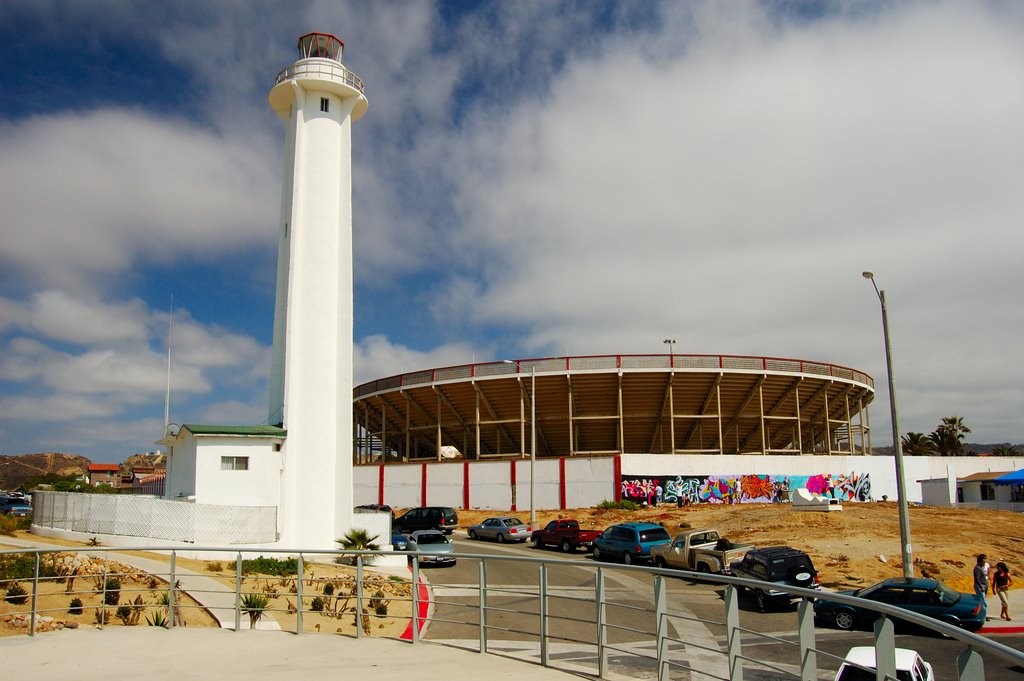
{"x": 311, "y": 368}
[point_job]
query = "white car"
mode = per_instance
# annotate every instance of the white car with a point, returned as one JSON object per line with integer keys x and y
{"x": 859, "y": 665}
{"x": 433, "y": 546}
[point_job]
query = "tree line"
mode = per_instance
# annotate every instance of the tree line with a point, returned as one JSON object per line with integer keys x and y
{"x": 946, "y": 440}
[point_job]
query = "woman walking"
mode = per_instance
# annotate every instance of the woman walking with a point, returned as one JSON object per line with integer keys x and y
{"x": 1001, "y": 583}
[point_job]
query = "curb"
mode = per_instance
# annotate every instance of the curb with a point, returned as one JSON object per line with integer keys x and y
{"x": 424, "y": 610}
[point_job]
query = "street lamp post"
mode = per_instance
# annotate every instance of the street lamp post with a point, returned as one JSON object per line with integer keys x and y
{"x": 533, "y": 440}
{"x": 671, "y": 343}
{"x": 901, "y": 485}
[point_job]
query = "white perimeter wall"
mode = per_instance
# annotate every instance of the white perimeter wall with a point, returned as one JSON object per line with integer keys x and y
{"x": 590, "y": 480}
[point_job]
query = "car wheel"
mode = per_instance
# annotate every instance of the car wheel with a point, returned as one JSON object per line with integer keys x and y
{"x": 597, "y": 553}
{"x": 659, "y": 562}
{"x": 472, "y": 534}
{"x": 501, "y": 538}
{"x": 704, "y": 568}
{"x": 844, "y": 619}
{"x": 627, "y": 558}
{"x": 567, "y": 546}
{"x": 761, "y": 598}
{"x": 536, "y": 543}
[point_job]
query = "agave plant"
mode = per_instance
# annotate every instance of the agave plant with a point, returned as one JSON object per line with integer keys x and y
{"x": 253, "y": 605}
{"x": 159, "y": 619}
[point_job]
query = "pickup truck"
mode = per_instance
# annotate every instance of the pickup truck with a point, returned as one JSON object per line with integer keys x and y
{"x": 566, "y": 534}
{"x": 699, "y": 550}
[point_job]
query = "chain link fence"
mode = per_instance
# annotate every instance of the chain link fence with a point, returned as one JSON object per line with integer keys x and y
{"x": 133, "y": 516}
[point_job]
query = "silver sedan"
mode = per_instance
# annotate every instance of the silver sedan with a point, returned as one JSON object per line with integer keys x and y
{"x": 502, "y": 529}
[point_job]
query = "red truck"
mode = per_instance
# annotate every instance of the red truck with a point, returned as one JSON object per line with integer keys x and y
{"x": 565, "y": 534}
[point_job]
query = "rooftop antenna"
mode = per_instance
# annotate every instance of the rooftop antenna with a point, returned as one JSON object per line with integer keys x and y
{"x": 167, "y": 395}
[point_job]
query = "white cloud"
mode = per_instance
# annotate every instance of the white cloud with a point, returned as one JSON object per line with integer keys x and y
{"x": 86, "y": 197}
{"x": 731, "y": 196}
{"x": 377, "y": 357}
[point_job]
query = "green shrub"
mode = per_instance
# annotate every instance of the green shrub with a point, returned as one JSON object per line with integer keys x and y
{"x": 378, "y": 604}
{"x": 215, "y": 566}
{"x": 270, "y": 566}
{"x": 75, "y": 607}
{"x": 624, "y": 505}
{"x": 17, "y": 566}
{"x": 9, "y": 524}
{"x": 124, "y": 613}
{"x": 112, "y": 588}
{"x": 16, "y": 594}
{"x": 329, "y": 589}
{"x": 317, "y": 605}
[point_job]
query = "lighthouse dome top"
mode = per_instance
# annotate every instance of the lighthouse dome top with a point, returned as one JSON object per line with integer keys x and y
{"x": 322, "y": 45}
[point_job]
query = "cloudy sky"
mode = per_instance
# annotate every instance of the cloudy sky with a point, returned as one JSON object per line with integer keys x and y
{"x": 533, "y": 178}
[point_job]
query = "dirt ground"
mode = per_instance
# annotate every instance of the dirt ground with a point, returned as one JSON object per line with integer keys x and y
{"x": 854, "y": 547}
{"x": 338, "y": 613}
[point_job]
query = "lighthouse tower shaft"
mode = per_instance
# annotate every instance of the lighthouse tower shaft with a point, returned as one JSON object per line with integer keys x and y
{"x": 311, "y": 366}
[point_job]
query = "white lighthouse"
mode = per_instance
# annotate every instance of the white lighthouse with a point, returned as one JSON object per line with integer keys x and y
{"x": 311, "y": 368}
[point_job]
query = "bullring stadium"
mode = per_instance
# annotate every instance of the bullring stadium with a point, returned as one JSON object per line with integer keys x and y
{"x": 614, "y": 404}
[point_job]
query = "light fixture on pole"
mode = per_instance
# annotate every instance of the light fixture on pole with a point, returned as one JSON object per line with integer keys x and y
{"x": 671, "y": 343}
{"x": 901, "y": 486}
{"x": 533, "y": 440}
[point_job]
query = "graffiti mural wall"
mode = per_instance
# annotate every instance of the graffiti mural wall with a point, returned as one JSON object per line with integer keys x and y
{"x": 741, "y": 489}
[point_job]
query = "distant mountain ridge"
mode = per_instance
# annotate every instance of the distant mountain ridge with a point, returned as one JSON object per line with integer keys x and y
{"x": 17, "y": 468}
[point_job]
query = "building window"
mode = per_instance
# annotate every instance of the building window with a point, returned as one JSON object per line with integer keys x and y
{"x": 325, "y": 104}
{"x": 234, "y": 463}
{"x": 988, "y": 492}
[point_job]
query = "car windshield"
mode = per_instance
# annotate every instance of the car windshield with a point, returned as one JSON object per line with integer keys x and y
{"x": 432, "y": 538}
{"x": 654, "y": 534}
{"x": 947, "y": 596}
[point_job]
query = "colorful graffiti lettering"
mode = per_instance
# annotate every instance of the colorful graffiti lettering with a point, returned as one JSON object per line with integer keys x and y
{"x": 742, "y": 489}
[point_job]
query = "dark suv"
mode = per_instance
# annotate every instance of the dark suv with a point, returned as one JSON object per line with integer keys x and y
{"x": 776, "y": 565}
{"x": 442, "y": 518}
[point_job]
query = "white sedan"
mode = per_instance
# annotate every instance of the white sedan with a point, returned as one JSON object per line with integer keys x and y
{"x": 859, "y": 665}
{"x": 501, "y": 529}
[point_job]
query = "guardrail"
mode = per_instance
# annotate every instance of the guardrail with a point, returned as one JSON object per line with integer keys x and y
{"x": 621, "y": 622}
{"x": 567, "y": 364}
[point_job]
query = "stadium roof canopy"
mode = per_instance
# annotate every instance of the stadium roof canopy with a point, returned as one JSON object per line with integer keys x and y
{"x": 615, "y": 404}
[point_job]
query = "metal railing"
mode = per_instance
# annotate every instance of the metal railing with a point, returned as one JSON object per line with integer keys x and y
{"x": 645, "y": 623}
{"x": 674, "y": 362}
{"x": 321, "y": 68}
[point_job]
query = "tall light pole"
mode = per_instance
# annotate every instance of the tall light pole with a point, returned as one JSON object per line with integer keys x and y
{"x": 671, "y": 343}
{"x": 901, "y": 485}
{"x": 533, "y": 440}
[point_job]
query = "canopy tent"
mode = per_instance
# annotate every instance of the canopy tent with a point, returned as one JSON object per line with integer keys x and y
{"x": 1014, "y": 478}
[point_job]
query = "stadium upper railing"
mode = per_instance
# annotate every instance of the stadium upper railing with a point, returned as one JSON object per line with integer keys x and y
{"x": 673, "y": 362}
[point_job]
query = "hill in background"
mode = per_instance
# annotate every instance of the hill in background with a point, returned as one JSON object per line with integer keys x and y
{"x": 15, "y": 470}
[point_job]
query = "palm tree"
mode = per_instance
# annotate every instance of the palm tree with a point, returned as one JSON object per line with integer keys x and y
{"x": 949, "y": 436}
{"x": 1004, "y": 450}
{"x": 356, "y": 540}
{"x": 917, "y": 444}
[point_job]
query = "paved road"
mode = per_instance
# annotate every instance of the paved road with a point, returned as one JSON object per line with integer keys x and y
{"x": 514, "y": 629}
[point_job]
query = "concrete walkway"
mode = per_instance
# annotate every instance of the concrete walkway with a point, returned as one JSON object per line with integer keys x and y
{"x": 187, "y": 654}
